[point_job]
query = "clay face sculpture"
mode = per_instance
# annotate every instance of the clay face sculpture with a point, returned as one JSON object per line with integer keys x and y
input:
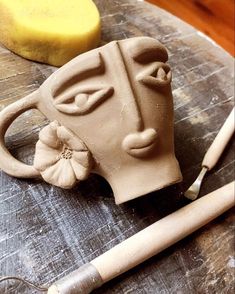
{"x": 111, "y": 113}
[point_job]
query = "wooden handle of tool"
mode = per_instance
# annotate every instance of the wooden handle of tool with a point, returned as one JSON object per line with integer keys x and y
{"x": 146, "y": 243}
{"x": 163, "y": 233}
{"x": 221, "y": 140}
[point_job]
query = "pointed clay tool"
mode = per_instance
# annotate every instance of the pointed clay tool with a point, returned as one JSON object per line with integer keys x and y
{"x": 213, "y": 154}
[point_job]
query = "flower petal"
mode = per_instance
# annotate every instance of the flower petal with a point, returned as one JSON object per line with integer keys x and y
{"x": 48, "y": 135}
{"x": 83, "y": 158}
{"x": 45, "y": 156}
{"x": 70, "y": 139}
{"x": 60, "y": 174}
{"x": 80, "y": 171}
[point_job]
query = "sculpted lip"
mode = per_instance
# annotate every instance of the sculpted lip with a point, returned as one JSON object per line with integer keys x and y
{"x": 141, "y": 143}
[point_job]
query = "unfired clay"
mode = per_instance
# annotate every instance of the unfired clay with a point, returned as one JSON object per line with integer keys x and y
{"x": 111, "y": 113}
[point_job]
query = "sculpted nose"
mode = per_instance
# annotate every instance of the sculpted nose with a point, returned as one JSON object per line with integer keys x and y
{"x": 140, "y": 144}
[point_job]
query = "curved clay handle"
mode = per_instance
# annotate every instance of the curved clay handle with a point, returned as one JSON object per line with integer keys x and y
{"x": 8, "y": 163}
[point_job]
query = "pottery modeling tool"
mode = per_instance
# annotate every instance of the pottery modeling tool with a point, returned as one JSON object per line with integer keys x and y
{"x": 146, "y": 243}
{"x": 213, "y": 154}
{"x": 133, "y": 251}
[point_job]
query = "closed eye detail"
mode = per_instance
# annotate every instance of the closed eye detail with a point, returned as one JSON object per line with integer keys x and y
{"x": 157, "y": 75}
{"x": 79, "y": 101}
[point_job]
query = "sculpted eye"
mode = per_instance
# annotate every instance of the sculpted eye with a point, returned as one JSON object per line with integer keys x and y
{"x": 82, "y": 100}
{"x": 157, "y": 75}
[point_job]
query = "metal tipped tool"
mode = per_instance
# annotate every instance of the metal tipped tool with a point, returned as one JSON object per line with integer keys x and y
{"x": 194, "y": 189}
{"x": 213, "y": 154}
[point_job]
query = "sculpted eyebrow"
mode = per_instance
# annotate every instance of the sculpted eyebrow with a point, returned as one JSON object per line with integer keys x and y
{"x": 146, "y": 55}
{"x": 147, "y": 50}
{"x": 80, "y": 70}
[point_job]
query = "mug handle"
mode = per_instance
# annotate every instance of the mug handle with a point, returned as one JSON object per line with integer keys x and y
{"x": 8, "y": 163}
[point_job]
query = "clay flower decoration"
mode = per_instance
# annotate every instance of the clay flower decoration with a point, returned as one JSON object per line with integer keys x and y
{"x": 61, "y": 157}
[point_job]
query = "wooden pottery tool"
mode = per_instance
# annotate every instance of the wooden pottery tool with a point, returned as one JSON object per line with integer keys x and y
{"x": 213, "y": 154}
{"x": 141, "y": 246}
{"x": 146, "y": 243}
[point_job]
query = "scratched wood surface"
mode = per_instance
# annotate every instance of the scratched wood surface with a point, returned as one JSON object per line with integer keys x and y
{"x": 46, "y": 232}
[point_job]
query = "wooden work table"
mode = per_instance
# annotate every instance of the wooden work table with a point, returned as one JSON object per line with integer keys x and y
{"x": 47, "y": 232}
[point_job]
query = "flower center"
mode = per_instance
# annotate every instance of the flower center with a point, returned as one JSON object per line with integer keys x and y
{"x": 66, "y": 153}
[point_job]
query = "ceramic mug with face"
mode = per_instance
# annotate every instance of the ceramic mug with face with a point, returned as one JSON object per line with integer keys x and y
{"x": 111, "y": 113}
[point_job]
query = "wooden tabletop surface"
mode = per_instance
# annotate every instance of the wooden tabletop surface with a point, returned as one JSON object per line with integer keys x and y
{"x": 47, "y": 232}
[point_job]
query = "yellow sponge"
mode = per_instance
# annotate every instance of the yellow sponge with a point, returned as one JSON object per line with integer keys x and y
{"x": 49, "y": 31}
